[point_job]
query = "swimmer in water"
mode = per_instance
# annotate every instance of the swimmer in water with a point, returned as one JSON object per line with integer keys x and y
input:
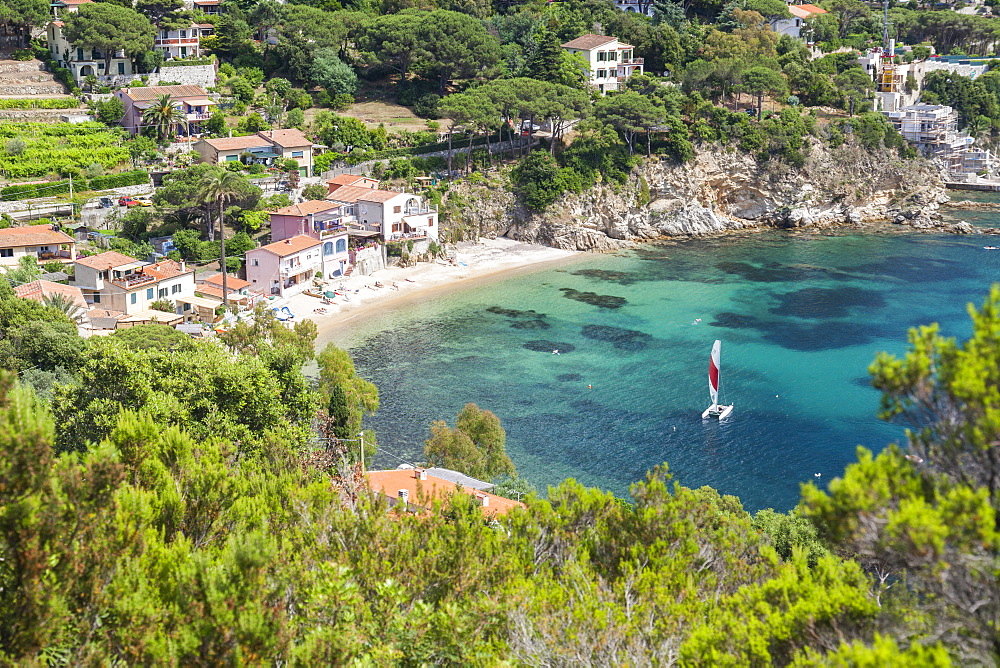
{"x": 555, "y": 352}
{"x": 696, "y": 321}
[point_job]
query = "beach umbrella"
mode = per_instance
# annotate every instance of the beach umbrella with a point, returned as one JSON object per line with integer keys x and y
{"x": 330, "y": 295}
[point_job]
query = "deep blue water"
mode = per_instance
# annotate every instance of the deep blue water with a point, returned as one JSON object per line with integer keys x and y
{"x": 800, "y": 316}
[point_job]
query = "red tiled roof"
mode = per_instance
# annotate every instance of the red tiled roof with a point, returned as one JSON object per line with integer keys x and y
{"x": 165, "y": 269}
{"x": 351, "y": 194}
{"x": 588, "y": 42}
{"x": 286, "y": 138}
{"x": 305, "y": 208}
{"x": 289, "y": 246}
{"x": 153, "y": 92}
{"x": 106, "y": 260}
{"x": 35, "y": 235}
{"x": 232, "y": 283}
{"x": 38, "y": 290}
{"x": 423, "y": 492}
{"x": 349, "y": 180}
{"x": 104, "y": 313}
{"x": 212, "y": 291}
{"x": 805, "y": 11}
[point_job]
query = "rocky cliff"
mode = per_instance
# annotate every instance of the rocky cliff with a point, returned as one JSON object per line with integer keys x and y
{"x": 722, "y": 189}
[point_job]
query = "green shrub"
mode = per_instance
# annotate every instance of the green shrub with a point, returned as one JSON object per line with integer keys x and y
{"x": 427, "y": 106}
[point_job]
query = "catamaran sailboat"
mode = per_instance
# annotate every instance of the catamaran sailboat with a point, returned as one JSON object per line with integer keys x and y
{"x": 715, "y": 410}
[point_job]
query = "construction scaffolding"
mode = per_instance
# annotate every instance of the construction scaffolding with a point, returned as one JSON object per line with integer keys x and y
{"x": 933, "y": 129}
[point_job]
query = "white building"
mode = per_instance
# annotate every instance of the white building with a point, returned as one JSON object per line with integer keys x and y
{"x": 609, "y": 61}
{"x": 38, "y": 241}
{"x": 393, "y": 215}
{"x": 84, "y": 62}
{"x": 793, "y": 26}
{"x": 121, "y": 283}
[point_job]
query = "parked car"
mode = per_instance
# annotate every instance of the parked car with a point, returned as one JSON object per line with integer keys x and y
{"x": 144, "y": 200}
{"x": 528, "y": 126}
{"x": 106, "y": 203}
{"x": 128, "y": 202}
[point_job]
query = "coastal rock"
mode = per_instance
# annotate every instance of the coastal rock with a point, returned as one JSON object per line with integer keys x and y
{"x": 720, "y": 190}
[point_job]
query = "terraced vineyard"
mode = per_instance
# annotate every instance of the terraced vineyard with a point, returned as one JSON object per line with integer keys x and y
{"x": 62, "y": 148}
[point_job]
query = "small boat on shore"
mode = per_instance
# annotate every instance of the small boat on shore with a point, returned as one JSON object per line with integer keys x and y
{"x": 716, "y": 410}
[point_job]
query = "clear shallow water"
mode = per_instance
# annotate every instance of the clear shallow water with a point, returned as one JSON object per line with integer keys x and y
{"x": 800, "y": 318}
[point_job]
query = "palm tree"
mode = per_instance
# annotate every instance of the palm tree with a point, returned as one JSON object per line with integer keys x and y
{"x": 220, "y": 187}
{"x": 163, "y": 114}
{"x": 65, "y": 304}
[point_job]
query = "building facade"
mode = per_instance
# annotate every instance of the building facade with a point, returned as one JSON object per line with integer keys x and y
{"x": 609, "y": 61}
{"x": 262, "y": 147}
{"x": 38, "y": 241}
{"x": 121, "y": 283}
{"x": 191, "y": 101}
{"x": 284, "y": 268}
{"x": 84, "y": 62}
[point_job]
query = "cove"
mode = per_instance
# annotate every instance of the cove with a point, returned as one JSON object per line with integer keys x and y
{"x": 801, "y": 317}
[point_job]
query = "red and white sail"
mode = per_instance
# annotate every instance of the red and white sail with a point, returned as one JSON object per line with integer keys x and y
{"x": 713, "y": 372}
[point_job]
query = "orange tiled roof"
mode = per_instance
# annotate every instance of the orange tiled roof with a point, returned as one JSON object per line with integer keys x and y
{"x": 35, "y": 235}
{"x": 106, "y": 260}
{"x": 153, "y": 92}
{"x": 378, "y": 195}
{"x": 305, "y": 208}
{"x": 289, "y": 246}
{"x": 588, "y": 42}
{"x": 424, "y": 491}
{"x": 286, "y": 138}
{"x": 38, "y": 290}
{"x": 232, "y": 143}
{"x": 232, "y": 283}
{"x": 805, "y": 11}
{"x": 165, "y": 269}
{"x": 349, "y": 180}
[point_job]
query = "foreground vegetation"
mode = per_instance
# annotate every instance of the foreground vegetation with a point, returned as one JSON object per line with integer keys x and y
{"x": 166, "y": 501}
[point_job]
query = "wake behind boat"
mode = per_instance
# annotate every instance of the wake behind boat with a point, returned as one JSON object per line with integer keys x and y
{"x": 715, "y": 410}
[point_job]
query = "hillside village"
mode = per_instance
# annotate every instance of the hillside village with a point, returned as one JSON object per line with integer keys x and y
{"x": 188, "y": 186}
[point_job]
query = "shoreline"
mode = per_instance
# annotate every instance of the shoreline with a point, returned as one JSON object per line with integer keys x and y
{"x": 477, "y": 263}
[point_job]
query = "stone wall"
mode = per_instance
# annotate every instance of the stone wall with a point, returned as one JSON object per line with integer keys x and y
{"x": 720, "y": 190}
{"x": 192, "y": 75}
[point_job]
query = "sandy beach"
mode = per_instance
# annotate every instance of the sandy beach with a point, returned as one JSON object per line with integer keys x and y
{"x": 476, "y": 262}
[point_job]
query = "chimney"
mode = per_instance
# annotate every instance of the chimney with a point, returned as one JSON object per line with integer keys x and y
{"x": 420, "y": 474}
{"x": 183, "y": 265}
{"x": 484, "y": 499}
{"x": 404, "y": 497}
{"x": 288, "y": 241}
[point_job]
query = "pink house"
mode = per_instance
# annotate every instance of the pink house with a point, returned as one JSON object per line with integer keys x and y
{"x": 321, "y": 220}
{"x": 191, "y": 101}
{"x": 286, "y": 267}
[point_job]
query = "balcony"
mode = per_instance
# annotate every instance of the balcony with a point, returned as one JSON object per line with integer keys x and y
{"x": 631, "y": 61}
{"x": 333, "y": 231}
{"x": 198, "y": 116}
{"x": 420, "y": 209}
{"x": 311, "y": 266}
{"x": 129, "y": 281}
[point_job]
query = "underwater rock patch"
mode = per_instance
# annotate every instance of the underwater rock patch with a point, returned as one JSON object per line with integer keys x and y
{"x": 543, "y": 346}
{"x": 619, "y": 337}
{"x": 734, "y": 321}
{"x": 537, "y": 323}
{"x": 568, "y": 377}
{"x": 594, "y": 299}
{"x": 514, "y": 313}
{"x": 620, "y": 277}
{"x": 825, "y": 303}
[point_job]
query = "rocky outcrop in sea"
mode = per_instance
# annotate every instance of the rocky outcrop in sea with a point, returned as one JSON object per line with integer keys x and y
{"x": 722, "y": 190}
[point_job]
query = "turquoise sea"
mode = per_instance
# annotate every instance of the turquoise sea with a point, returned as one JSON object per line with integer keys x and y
{"x": 800, "y": 318}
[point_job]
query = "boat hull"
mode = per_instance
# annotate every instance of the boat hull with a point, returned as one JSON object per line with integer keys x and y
{"x": 721, "y": 412}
